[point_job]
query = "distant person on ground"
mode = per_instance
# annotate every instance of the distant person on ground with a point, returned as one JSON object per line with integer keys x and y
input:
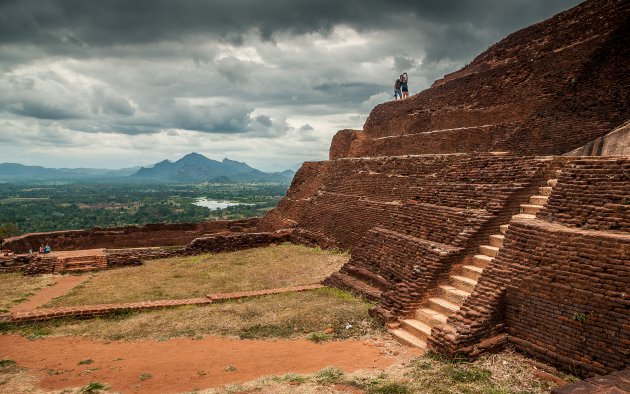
{"x": 41, "y": 249}
{"x": 397, "y": 86}
{"x": 404, "y": 80}
{"x": 47, "y": 248}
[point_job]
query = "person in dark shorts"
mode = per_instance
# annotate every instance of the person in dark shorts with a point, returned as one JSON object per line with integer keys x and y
{"x": 404, "y": 80}
{"x": 397, "y": 86}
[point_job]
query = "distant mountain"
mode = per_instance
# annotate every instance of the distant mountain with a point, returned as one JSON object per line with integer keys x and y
{"x": 15, "y": 172}
{"x": 192, "y": 168}
{"x": 197, "y": 168}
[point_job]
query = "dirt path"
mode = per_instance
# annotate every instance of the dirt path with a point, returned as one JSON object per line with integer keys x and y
{"x": 62, "y": 286}
{"x": 180, "y": 365}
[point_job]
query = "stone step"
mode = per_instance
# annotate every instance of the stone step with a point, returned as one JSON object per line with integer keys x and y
{"x": 552, "y": 182}
{"x": 504, "y": 228}
{"x": 545, "y": 190}
{"x": 530, "y": 209}
{"x": 368, "y": 276}
{"x": 497, "y": 240}
{"x": 356, "y": 286}
{"x": 452, "y": 294}
{"x": 538, "y": 200}
{"x": 462, "y": 283}
{"x": 443, "y": 306}
{"x": 488, "y": 250}
{"x": 416, "y": 328}
{"x": 523, "y": 216}
{"x": 86, "y": 268}
{"x": 430, "y": 317}
{"x": 78, "y": 259}
{"x": 472, "y": 272}
{"x": 73, "y": 264}
{"x": 481, "y": 260}
{"x": 407, "y": 338}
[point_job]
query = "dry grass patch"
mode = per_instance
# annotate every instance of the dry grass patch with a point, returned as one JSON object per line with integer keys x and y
{"x": 16, "y": 288}
{"x": 287, "y": 315}
{"x": 504, "y": 373}
{"x": 196, "y": 276}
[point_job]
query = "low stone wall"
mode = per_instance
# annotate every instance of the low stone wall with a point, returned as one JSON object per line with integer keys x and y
{"x": 90, "y": 311}
{"x": 133, "y": 257}
{"x": 615, "y": 143}
{"x": 16, "y": 263}
{"x": 159, "y": 234}
{"x": 231, "y": 242}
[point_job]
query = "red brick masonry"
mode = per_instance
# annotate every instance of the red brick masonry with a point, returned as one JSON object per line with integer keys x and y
{"x": 89, "y": 311}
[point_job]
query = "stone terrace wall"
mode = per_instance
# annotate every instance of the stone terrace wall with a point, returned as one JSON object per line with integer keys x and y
{"x": 571, "y": 306}
{"x": 546, "y": 89}
{"x": 559, "y": 292}
{"x": 440, "y": 198}
{"x": 405, "y": 219}
{"x": 160, "y": 234}
{"x": 592, "y": 194}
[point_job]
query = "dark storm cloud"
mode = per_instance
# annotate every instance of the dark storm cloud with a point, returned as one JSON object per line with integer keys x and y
{"x": 73, "y": 25}
{"x": 227, "y": 75}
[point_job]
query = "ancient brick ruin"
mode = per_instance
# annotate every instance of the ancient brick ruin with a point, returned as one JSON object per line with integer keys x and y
{"x": 473, "y": 217}
{"x": 490, "y": 209}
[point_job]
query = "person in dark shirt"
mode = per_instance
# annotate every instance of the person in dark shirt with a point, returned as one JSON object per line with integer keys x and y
{"x": 404, "y": 80}
{"x": 397, "y": 86}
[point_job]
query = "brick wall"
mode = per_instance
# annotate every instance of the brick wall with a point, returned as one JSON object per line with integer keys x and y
{"x": 440, "y": 198}
{"x": 546, "y": 89}
{"x": 159, "y": 234}
{"x": 592, "y": 194}
{"x": 131, "y": 257}
{"x": 231, "y": 242}
{"x": 558, "y": 291}
{"x": 405, "y": 219}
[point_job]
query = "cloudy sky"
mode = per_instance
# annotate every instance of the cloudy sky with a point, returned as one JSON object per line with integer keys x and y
{"x": 119, "y": 83}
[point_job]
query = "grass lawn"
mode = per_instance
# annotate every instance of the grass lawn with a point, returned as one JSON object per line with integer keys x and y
{"x": 286, "y": 315}
{"x": 15, "y": 288}
{"x": 196, "y": 276}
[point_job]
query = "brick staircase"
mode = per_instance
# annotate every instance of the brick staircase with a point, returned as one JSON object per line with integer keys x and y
{"x": 78, "y": 264}
{"x": 449, "y": 295}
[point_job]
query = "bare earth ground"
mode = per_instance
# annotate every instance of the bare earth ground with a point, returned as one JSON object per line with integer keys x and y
{"x": 182, "y": 364}
{"x": 196, "y": 276}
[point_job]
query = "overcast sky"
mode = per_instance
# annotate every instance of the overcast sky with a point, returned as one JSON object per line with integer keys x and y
{"x": 119, "y": 83}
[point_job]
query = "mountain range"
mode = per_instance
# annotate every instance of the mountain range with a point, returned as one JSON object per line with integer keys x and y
{"x": 197, "y": 168}
{"x": 190, "y": 168}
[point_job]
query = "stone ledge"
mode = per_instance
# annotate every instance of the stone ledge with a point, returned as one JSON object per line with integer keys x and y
{"x": 256, "y": 293}
{"x": 88, "y": 311}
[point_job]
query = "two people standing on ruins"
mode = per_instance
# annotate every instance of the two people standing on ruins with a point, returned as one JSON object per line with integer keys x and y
{"x": 401, "y": 87}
